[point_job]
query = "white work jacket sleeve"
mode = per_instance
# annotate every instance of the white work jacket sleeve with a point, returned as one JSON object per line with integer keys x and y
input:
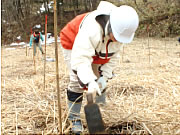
{"x": 83, "y": 49}
{"x": 107, "y": 69}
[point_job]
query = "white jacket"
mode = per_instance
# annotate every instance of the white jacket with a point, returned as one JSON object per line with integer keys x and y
{"x": 90, "y": 39}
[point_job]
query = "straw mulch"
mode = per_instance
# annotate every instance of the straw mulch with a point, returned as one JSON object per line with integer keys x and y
{"x": 142, "y": 98}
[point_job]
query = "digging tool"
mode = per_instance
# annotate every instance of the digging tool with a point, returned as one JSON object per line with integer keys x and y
{"x": 93, "y": 116}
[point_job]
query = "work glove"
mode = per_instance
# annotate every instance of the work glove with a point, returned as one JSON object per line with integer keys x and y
{"x": 102, "y": 83}
{"x": 93, "y": 88}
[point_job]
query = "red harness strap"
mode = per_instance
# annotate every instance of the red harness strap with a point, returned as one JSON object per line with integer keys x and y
{"x": 98, "y": 60}
{"x": 35, "y": 34}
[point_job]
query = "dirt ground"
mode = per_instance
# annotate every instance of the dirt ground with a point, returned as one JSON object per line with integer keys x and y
{"x": 142, "y": 98}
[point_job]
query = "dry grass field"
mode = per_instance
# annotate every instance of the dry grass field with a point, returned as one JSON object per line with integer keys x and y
{"x": 142, "y": 98}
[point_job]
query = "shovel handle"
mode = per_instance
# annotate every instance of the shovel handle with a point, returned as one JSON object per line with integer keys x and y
{"x": 90, "y": 95}
{"x": 89, "y": 98}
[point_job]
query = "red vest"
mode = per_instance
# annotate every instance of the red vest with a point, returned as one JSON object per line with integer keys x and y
{"x": 69, "y": 32}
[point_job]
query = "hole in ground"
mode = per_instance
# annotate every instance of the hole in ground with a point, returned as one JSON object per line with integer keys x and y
{"x": 126, "y": 128}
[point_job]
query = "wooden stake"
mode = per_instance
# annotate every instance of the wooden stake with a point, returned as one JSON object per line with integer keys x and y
{"x": 165, "y": 43}
{"x": 45, "y": 53}
{"x": 34, "y": 59}
{"x": 148, "y": 43}
{"x": 149, "y": 49}
{"x": 26, "y": 50}
{"x": 123, "y": 54}
{"x": 57, "y": 69}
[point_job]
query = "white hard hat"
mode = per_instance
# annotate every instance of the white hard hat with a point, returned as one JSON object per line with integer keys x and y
{"x": 124, "y": 21}
{"x": 105, "y": 7}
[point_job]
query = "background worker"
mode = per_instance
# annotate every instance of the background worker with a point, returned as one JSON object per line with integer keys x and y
{"x": 91, "y": 44}
{"x": 35, "y": 40}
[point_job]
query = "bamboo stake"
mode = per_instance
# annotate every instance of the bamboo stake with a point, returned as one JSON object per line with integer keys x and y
{"x": 16, "y": 119}
{"x": 165, "y": 44}
{"x": 26, "y": 50}
{"x": 149, "y": 49}
{"x": 123, "y": 54}
{"x": 148, "y": 43}
{"x": 45, "y": 53}
{"x": 34, "y": 59}
{"x": 57, "y": 70}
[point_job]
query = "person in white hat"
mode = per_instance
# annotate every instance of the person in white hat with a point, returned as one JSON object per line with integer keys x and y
{"x": 91, "y": 44}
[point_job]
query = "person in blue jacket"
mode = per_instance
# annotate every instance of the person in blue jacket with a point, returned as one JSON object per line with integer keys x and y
{"x": 35, "y": 40}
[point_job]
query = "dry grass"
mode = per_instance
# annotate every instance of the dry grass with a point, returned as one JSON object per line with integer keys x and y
{"x": 142, "y": 98}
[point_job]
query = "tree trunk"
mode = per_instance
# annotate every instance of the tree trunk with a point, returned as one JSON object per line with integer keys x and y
{"x": 75, "y": 5}
{"x": 20, "y": 9}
